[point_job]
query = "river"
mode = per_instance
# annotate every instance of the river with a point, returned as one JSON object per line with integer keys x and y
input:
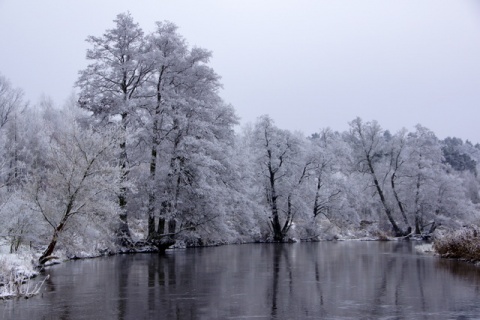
{"x": 325, "y": 280}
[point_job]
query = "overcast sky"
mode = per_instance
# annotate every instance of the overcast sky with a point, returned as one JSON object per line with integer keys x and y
{"x": 308, "y": 64}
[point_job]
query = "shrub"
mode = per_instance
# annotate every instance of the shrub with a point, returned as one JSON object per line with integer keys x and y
{"x": 462, "y": 244}
{"x": 16, "y": 271}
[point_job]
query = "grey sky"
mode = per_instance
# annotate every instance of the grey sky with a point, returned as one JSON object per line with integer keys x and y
{"x": 308, "y": 64}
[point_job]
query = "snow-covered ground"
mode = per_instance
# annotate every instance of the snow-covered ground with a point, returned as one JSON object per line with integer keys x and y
{"x": 425, "y": 248}
{"x": 16, "y": 270}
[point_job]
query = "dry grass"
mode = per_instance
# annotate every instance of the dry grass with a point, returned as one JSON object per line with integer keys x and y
{"x": 462, "y": 244}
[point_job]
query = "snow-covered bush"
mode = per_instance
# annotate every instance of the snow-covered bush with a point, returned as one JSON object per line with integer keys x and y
{"x": 461, "y": 244}
{"x": 16, "y": 270}
{"x": 19, "y": 224}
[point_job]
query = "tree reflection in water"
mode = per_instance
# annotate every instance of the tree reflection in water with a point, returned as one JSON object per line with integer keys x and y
{"x": 348, "y": 280}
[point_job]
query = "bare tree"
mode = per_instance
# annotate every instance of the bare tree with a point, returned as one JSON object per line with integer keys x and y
{"x": 11, "y": 100}
{"x": 78, "y": 181}
{"x": 366, "y": 139}
{"x": 281, "y": 172}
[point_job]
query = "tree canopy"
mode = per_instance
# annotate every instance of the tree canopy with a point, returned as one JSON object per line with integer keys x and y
{"x": 147, "y": 155}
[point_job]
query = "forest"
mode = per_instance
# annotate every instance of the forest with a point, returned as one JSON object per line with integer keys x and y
{"x": 148, "y": 155}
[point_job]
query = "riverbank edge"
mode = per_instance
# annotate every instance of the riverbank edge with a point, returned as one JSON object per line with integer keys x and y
{"x": 462, "y": 244}
{"x": 424, "y": 247}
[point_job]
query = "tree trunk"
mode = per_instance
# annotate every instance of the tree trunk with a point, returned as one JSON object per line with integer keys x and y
{"x": 151, "y": 192}
{"x": 123, "y": 230}
{"x": 161, "y": 225}
{"x": 432, "y": 227}
{"x": 316, "y": 205}
{"x": 417, "y": 206}
{"x": 172, "y": 226}
{"x": 397, "y": 198}
{"x": 275, "y": 220}
{"x": 388, "y": 212}
{"x": 289, "y": 219}
{"x": 153, "y": 161}
{"x": 51, "y": 246}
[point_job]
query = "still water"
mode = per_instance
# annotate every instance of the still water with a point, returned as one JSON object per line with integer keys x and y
{"x": 326, "y": 280}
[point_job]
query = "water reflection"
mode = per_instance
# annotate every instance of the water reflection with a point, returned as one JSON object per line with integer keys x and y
{"x": 335, "y": 280}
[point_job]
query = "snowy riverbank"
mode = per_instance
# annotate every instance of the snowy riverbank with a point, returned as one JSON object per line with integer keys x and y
{"x": 16, "y": 271}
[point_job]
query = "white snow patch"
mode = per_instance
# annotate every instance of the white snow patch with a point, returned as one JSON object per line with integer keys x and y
{"x": 425, "y": 248}
{"x": 15, "y": 271}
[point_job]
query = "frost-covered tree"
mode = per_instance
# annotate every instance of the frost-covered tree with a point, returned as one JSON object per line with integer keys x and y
{"x": 182, "y": 94}
{"x": 247, "y": 214}
{"x": 167, "y": 53}
{"x": 164, "y": 94}
{"x": 196, "y": 148}
{"x": 111, "y": 86}
{"x": 281, "y": 170}
{"x": 11, "y": 100}
{"x": 460, "y": 156}
{"x": 79, "y": 181}
{"x": 368, "y": 143}
{"x": 15, "y": 220}
{"x": 327, "y": 155}
{"x": 424, "y": 166}
{"x": 327, "y": 189}
{"x": 397, "y": 149}
{"x": 19, "y": 223}
{"x": 11, "y": 107}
